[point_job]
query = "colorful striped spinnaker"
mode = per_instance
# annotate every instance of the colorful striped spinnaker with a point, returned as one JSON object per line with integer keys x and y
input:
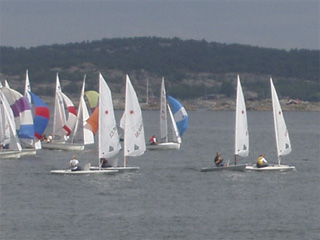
{"x": 42, "y": 115}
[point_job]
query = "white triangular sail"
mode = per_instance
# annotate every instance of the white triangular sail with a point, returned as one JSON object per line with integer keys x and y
{"x": 241, "y": 126}
{"x": 176, "y": 135}
{"x": 134, "y": 139}
{"x": 61, "y": 126}
{"x": 88, "y": 137}
{"x": 281, "y": 132}
{"x": 163, "y": 114}
{"x": 109, "y": 144}
{"x": 27, "y": 90}
{"x": 59, "y": 117}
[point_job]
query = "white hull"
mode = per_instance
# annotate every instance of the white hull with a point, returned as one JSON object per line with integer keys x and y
{"x": 28, "y": 152}
{"x": 63, "y": 146}
{"x": 164, "y": 146}
{"x": 281, "y": 168}
{"x": 5, "y": 154}
{"x": 82, "y": 172}
{"x": 119, "y": 169}
{"x": 229, "y": 168}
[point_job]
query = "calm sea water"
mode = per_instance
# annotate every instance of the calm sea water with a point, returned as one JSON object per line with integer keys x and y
{"x": 169, "y": 198}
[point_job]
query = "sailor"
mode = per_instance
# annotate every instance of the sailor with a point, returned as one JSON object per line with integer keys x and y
{"x": 153, "y": 140}
{"x": 104, "y": 163}
{"x": 74, "y": 164}
{"x": 262, "y": 162}
{"x": 49, "y": 139}
{"x": 218, "y": 160}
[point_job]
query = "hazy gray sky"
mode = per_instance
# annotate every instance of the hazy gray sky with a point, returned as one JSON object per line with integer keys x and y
{"x": 281, "y": 24}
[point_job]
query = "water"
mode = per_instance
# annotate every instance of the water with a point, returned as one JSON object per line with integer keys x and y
{"x": 170, "y": 198}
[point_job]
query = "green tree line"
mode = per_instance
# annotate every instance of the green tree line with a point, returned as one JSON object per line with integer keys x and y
{"x": 170, "y": 57}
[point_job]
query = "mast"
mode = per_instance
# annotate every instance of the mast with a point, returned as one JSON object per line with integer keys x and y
{"x": 147, "y": 101}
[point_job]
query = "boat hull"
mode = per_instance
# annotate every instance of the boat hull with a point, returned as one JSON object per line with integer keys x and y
{"x": 82, "y": 172}
{"x": 63, "y": 146}
{"x": 9, "y": 154}
{"x": 119, "y": 169}
{"x": 28, "y": 152}
{"x": 164, "y": 146}
{"x": 227, "y": 168}
{"x": 281, "y": 168}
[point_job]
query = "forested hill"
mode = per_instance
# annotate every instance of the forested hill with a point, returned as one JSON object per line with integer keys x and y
{"x": 191, "y": 68}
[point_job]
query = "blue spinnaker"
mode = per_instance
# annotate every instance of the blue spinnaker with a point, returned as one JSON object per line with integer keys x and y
{"x": 180, "y": 115}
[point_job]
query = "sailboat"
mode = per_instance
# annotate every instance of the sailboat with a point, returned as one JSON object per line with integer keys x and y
{"x": 63, "y": 127}
{"x": 109, "y": 144}
{"x": 8, "y": 133}
{"x": 281, "y": 134}
{"x": 164, "y": 144}
{"x": 134, "y": 144}
{"x": 22, "y": 117}
{"x": 241, "y": 134}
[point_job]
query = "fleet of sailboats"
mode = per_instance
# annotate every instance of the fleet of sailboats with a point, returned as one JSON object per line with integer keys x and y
{"x": 23, "y": 132}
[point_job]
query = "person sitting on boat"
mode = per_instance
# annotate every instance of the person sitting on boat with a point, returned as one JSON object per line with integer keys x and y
{"x": 153, "y": 140}
{"x": 104, "y": 163}
{"x": 262, "y": 162}
{"x": 44, "y": 138}
{"x": 218, "y": 160}
{"x": 49, "y": 139}
{"x": 74, "y": 164}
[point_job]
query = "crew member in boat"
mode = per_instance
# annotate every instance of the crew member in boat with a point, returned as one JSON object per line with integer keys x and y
{"x": 153, "y": 140}
{"x": 218, "y": 160}
{"x": 74, "y": 164}
{"x": 105, "y": 163}
{"x": 49, "y": 139}
{"x": 262, "y": 162}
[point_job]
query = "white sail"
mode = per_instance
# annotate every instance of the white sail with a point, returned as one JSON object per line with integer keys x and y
{"x": 163, "y": 114}
{"x": 59, "y": 118}
{"x": 281, "y": 132}
{"x": 241, "y": 126}
{"x": 61, "y": 126}
{"x": 134, "y": 140}
{"x": 27, "y": 90}
{"x": 176, "y": 135}
{"x": 9, "y": 123}
{"x": 109, "y": 143}
{"x": 88, "y": 137}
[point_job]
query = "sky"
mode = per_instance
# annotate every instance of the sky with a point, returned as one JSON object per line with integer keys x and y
{"x": 281, "y": 24}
